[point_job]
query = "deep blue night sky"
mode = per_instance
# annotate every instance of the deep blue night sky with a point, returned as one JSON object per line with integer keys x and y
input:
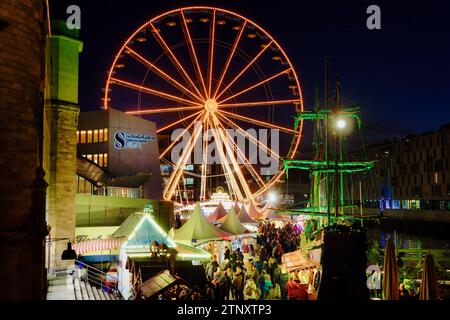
{"x": 400, "y": 75}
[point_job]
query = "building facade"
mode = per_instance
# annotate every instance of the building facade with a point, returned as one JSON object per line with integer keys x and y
{"x": 411, "y": 173}
{"x": 126, "y": 148}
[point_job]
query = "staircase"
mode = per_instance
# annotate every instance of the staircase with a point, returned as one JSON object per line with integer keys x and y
{"x": 79, "y": 282}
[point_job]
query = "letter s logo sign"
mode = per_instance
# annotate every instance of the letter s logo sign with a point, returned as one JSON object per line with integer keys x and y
{"x": 119, "y": 141}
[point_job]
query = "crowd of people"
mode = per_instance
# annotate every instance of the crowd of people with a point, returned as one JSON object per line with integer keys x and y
{"x": 256, "y": 272}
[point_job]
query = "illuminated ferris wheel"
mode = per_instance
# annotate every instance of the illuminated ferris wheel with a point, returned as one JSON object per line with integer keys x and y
{"x": 211, "y": 72}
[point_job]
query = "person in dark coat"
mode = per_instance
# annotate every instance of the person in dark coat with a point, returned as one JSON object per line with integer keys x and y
{"x": 226, "y": 255}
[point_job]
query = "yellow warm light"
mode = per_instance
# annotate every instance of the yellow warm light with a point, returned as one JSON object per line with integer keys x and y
{"x": 259, "y": 103}
{"x": 177, "y": 122}
{"x": 175, "y": 61}
{"x": 164, "y": 110}
{"x": 242, "y": 72}
{"x": 193, "y": 53}
{"x": 227, "y": 64}
{"x": 161, "y": 73}
{"x": 150, "y": 91}
{"x": 256, "y": 85}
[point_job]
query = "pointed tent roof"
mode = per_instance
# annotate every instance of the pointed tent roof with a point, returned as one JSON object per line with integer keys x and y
{"x": 252, "y": 211}
{"x": 233, "y": 225}
{"x": 236, "y": 208}
{"x": 244, "y": 217}
{"x": 217, "y": 214}
{"x": 198, "y": 228}
{"x": 140, "y": 229}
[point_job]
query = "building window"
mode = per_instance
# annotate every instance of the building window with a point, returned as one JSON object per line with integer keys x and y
{"x": 95, "y": 136}
{"x": 89, "y": 157}
{"x": 78, "y": 136}
{"x": 89, "y": 136}
{"x": 100, "y": 135}
{"x": 189, "y": 181}
{"x": 82, "y": 136}
{"x": 105, "y": 136}
{"x": 105, "y": 160}
{"x": 95, "y": 158}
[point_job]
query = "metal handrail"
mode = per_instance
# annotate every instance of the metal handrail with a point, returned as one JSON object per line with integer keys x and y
{"x": 96, "y": 276}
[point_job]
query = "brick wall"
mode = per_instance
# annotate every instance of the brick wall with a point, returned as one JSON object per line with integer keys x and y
{"x": 21, "y": 105}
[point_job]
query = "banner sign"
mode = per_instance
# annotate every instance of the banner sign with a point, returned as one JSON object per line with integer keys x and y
{"x": 127, "y": 140}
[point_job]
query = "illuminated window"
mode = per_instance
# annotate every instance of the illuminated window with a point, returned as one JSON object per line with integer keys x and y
{"x": 105, "y": 159}
{"x": 105, "y": 137}
{"x": 78, "y": 136}
{"x": 89, "y": 157}
{"x": 190, "y": 167}
{"x": 436, "y": 180}
{"x": 95, "y": 158}
{"x": 89, "y": 136}
{"x": 100, "y": 135}
{"x": 83, "y": 136}
{"x": 189, "y": 181}
{"x": 95, "y": 136}
{"x": 100, "y": 159}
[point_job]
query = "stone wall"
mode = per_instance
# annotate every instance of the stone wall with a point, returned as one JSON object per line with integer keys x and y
{"x": 61, "y": 190}
{"x": 22, "y": 194}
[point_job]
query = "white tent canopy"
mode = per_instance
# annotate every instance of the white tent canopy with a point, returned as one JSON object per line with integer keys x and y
{"x": 217, "y": 214}
{"x": 198, "y": 228}
{"x": 253, "y": 211}
{"x": 233, "y": 225}
{"x": 244, "y": 217}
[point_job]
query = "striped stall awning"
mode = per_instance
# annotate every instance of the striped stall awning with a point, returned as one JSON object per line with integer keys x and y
{"x": 86, "y": 246}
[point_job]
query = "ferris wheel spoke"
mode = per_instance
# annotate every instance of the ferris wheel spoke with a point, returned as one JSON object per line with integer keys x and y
{"x": 244, "y": 70}
{"x": 256, "y": 85}
{"x": 258, "y": 103}
{"x": 246, "y": 134}
{"x": 161, "y": 73}
{"x": 234, "y": 163}
{"x": 212, "y": 35}
{"x": 179, "y": 136}
{"x": 254, "y": 121}
{"x": 230, "y": 57}
{"x": 151, "y": 91}
{"x": 193, "y": 54}
{"x": 205, "y": 162}
{"x": 246, "y": 162}
{"x": 174, "y": 59}
{"x": 164, "y": 110}
{"x": 178, "y": 171}
{"x": 233, "y": 185}
{"x": 177, "y": 122}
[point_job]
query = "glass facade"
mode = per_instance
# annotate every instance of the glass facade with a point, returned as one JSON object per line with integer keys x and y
{"x": 83, "y": 186}
{"x": 92, "y": 136}
{"x": 101, "y": 159}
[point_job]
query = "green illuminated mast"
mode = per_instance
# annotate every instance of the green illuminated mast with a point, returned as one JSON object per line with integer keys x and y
{"x": 328, "y": 168}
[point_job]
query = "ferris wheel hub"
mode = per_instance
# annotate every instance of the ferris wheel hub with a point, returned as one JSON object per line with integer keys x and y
{"x": 211, "y": 105}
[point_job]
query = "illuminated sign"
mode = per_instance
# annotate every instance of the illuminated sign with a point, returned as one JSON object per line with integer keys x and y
{"x": 127, "y": 140}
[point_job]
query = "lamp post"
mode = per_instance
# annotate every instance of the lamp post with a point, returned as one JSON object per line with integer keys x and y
{"x": 68, "y": 254}
{"x": 340, "y": 124}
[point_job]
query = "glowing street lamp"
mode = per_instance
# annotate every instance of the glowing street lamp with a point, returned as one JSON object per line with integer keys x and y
{"x": 340, "y": 124}
{"x": 272, "y": 197}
